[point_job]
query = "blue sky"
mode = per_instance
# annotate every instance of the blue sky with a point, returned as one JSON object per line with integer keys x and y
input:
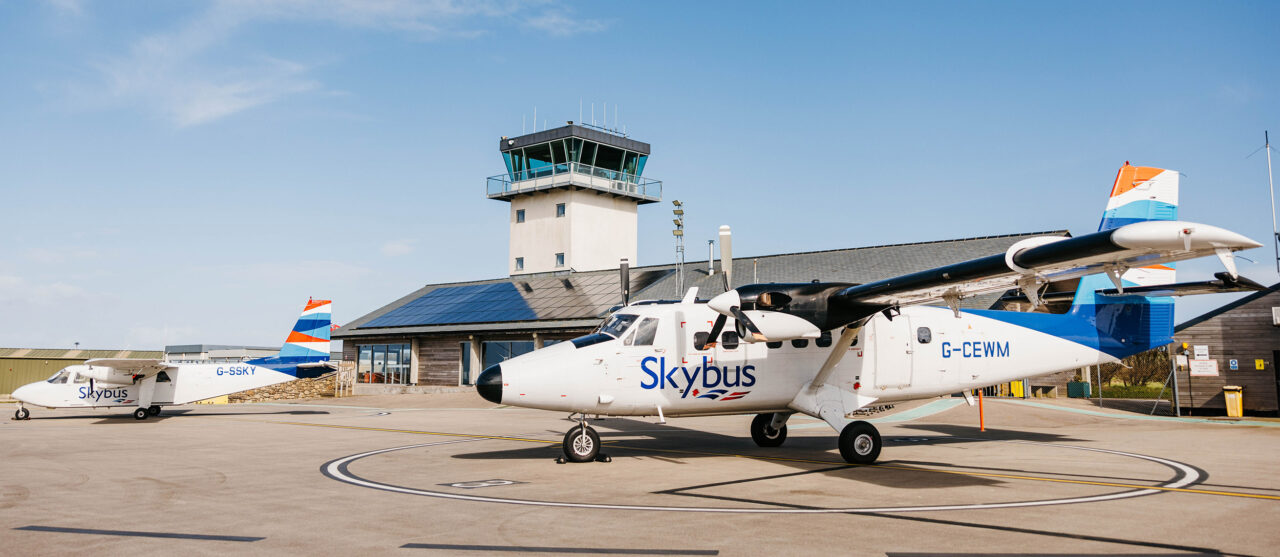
{"x": 192, "y": 171}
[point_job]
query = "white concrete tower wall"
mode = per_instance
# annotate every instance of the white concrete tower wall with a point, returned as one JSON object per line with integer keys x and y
{"x": 595, "y": 232}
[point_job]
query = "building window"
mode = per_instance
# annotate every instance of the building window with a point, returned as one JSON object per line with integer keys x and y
{"x": 383, "y": 363}
{"x": 496, "y": 352}
{"x": 519, "y": 263}
{"x": 559, "y": 260}
{"x": 559, "y": 210}
{"x": 519, "y": 215}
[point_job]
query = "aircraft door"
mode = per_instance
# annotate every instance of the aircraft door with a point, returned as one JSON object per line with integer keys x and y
{"x": 645, "y": 339}
{"x": 893, "y": 352}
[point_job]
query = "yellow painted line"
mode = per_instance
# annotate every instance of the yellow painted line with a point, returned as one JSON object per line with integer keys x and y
{"x": 810, "y": 461}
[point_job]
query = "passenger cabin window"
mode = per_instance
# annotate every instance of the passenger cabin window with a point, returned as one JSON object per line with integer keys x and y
{"x": 729, "y": 339}
{"x": 924, "y": 335}
{"x": 774, "y": 345}
{"x": 824, "y": 340}
{"x": 800, "y": 342}
{"x": 700, "y": 340}
{"x": 162, "y": 377}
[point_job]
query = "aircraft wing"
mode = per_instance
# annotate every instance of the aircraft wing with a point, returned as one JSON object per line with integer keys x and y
{"x": 135, "y": 366}
{"x": 1036, "y": 261}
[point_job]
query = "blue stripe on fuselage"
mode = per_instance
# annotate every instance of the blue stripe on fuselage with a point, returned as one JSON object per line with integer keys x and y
{"x": 1081, "y": 326}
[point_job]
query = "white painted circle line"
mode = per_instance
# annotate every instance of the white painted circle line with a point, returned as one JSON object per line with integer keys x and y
{"x": 337, "y": 469}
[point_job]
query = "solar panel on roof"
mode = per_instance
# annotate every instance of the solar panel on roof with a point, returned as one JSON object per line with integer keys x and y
{"x": 477, "y": 303}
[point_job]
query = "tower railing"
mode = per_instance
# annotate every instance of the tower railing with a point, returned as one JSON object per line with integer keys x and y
{"x": 577, "y": 174}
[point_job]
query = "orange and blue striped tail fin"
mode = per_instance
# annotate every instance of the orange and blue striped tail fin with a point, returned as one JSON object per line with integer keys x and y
{"x": 310, "y": 335}
{"x": 1139, "y": 194}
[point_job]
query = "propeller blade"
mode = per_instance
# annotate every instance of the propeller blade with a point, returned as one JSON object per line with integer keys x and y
{"x": 746, "y": 321}
{"x": 726, "y": 256}
{"x": 714, "y": 334}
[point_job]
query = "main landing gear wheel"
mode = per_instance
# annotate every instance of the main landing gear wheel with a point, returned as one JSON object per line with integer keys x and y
{"x": 140, "y": 414}
{"x": 764, "y": 435}
{"x": 153, "y": 410}
{"x": 22, "y": 414}
{"x": 860, "y": 443}
{"x": 581, "y": 444}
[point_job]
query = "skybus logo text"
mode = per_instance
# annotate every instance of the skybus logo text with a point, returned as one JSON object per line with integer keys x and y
{"x": 711, "y": 376}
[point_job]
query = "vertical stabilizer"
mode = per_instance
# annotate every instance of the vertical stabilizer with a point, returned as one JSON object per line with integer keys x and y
{"x": 310, "y": 336}
{"x": 1135, "y": 323}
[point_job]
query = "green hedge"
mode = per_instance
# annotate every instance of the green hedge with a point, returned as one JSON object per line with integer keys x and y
{"x": 1136, "y": 391}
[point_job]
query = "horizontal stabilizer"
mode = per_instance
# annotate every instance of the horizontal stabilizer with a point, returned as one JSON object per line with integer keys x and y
{"x": 1224, "y": 284}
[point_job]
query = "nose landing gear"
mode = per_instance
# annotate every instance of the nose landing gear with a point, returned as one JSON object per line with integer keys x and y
{"x": 582, "y": 444}
{"x": 22, "y": 414}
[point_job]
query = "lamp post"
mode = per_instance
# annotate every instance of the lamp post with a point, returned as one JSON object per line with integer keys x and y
{"x": 679, "y": 235}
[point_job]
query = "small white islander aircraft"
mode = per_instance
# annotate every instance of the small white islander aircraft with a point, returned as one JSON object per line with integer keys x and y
{"x": 829, "y": 349}
{"x": 150, "y": 384}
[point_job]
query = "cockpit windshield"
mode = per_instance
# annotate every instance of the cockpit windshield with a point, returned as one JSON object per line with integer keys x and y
{"x": 612, "y": 328}
{"x": 60, "y": 377}
{"x": 617, "y": 324}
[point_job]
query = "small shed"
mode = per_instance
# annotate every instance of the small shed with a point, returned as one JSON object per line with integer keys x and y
{"x": 1240, "y": 342}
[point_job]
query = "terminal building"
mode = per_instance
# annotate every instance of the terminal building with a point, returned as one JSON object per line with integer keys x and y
{"x": 574, "y": 194}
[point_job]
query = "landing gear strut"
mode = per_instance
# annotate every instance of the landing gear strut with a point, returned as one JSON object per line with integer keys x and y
{"x": 768, "y": 430}
{"x": 22, "y": 414}
{"x": 860, "y": 443}
{"x": 581, "y": 443}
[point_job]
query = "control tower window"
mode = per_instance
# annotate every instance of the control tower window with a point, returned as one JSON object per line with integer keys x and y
{"x": 559, "y": 210}
{"x": 559, "y": 260}
{"x": 609, "y": 158}
{"x": 538, "y": 158}
{"x": 519, "y": 215}
{"x": 588, "y": 154}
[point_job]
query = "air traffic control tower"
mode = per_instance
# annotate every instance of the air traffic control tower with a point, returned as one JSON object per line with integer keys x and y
{"x": 574, "y": 193}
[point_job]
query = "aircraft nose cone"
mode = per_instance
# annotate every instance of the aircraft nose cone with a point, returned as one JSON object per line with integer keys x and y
{"x": 489, "y": 385}
{"x": 19, "y": 393}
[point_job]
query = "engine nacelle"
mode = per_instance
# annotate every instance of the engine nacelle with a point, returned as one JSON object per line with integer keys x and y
{"x": 106, "y": 375}
{"x": 777, "y": 326}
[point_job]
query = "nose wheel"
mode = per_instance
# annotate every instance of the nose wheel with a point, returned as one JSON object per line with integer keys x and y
{"x": 581, "y": 444}
{"x": 860, "y": 443}
{"x": 22, "y": 414}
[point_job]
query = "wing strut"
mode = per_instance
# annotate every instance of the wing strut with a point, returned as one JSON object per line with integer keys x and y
{"x": 837, "y": 353}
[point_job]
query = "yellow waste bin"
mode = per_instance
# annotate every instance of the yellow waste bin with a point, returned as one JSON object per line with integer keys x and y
{"x": 1235, "y": 400}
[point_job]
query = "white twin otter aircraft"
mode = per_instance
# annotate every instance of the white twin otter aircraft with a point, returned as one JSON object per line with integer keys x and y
{"x": 829, "y": 349}
{"x": 150, "y": 384}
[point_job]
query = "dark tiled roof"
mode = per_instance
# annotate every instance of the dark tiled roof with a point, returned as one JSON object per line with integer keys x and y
{"x": 581, "y": 299}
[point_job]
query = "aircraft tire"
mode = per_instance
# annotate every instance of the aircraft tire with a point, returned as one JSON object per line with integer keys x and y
{"x": 140, "y": 414}
{"x": 22, "y": 414}
{"x": 860, "y": 443}
{"x": 760, "y": 432}
{"x": 579, "y": 447}
{"x": 153, "y": 410}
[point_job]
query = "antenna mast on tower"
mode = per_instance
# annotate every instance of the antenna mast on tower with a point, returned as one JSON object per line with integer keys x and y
{"x": 1275, "y": 234}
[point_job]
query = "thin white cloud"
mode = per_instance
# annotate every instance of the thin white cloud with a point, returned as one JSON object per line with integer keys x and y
{"x": 172, "y": 72}
{"x": 396, "y": 248}
{"x": 16, "y": 290}
{"x": 67, "y": 7}
{"x": 46, "y": 256}
{"x": 561, "y": 24}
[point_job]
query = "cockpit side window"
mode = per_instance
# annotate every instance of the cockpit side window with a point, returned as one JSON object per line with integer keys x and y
{"x": 646, "y": 332}
{"x": 60, "y": 377}
{"x": 80, "y": 378}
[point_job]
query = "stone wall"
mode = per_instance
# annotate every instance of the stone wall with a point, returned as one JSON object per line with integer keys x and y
{"x": 297, "y": 389}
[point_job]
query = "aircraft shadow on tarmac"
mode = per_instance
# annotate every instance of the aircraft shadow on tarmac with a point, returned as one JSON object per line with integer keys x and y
{"x": 175, "y": 413}
{"x": 625, "y": 437}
